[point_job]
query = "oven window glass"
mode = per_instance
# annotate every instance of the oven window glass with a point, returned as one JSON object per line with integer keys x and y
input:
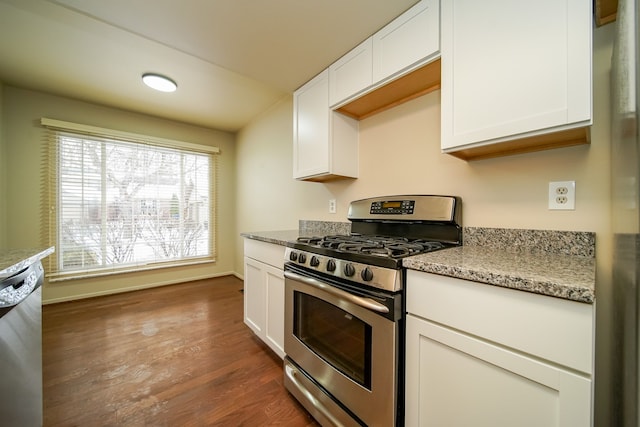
{"x": 340, "y": 338}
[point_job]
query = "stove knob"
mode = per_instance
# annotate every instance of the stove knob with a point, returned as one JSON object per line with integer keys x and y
{"x": 302, "y": 258}
{"x": 349, "y": 270}
{"x": 314, "y": 261}
{"x": 293, "y": 256}
{"x": 366, "y": 274}
{"x": 331, "y": 265}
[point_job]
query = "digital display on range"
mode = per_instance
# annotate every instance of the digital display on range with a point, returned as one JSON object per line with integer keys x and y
{"x": 393, "y": 207}
{"x": 388, "y": 205}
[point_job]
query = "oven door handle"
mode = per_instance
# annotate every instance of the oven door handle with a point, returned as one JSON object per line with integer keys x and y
{"x": 291, "y": 372}
{"x": 367, "y": 303}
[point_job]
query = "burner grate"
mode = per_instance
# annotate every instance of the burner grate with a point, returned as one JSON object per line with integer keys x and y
{"x": 380, "y": 246}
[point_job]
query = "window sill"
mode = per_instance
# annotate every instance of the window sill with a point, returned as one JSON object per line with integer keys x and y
{"x": 89, "y": 274}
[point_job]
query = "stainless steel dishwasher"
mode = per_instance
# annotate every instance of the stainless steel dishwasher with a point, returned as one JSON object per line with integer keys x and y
{"x": 21, "y": 347}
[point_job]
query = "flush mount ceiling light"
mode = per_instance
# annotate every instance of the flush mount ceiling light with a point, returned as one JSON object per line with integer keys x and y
{"x": 159, "y": 82}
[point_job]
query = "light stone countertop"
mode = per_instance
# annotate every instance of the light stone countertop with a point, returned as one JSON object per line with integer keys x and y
{"x": 554, "y": 263}
{"x": 14, "y": 260}
{"x": 563, "y": 276}
{"x": 305, "y": 228}
{"x": 276, "y": 237}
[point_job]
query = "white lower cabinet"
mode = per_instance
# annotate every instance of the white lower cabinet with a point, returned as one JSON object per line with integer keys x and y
{"x": 471, "y": 373}
{"x": 454, "y": 379}
{"x": 264, "y": 293}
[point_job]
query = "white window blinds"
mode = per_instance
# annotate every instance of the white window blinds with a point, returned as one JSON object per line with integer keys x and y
{"x": 122, "y": 202}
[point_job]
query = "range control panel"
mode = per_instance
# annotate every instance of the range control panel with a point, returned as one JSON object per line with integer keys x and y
{"x": 405, "y": 208}
{"x": 392, "y": 207}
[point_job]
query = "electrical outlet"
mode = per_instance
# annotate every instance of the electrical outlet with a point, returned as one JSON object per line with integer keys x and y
{"x": 562, "y": 195}
{"x": 332, "y": 206}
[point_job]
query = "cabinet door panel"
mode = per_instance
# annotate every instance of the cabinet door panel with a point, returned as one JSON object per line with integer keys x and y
{"x": 311, "y": 127}
{"x": 274, "y": 329}
{"x": 254, "y": 296}
{"x": 351, "y": 74}
{"x": 325, "y": 143}
{"x": 513, "y": 67}
{"x": 411, "y": 38}
{"x": 457, "y": 380}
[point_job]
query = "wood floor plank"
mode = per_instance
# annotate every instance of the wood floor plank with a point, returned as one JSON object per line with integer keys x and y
{"x": 177, "y": 355}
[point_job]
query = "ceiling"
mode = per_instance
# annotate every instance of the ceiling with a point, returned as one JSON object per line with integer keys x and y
{"x": 232, "y": 59}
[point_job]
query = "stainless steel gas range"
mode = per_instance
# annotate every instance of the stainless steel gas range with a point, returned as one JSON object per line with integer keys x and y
{"x": 344, "y": 307}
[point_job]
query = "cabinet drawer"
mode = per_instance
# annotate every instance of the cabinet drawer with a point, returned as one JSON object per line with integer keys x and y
{"x": 553, "y": 329}
{"x": 268, "y": 253}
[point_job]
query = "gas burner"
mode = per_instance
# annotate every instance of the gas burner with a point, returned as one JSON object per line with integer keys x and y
{"x": 379, "y": 246}
{"x": 309, "y": 240}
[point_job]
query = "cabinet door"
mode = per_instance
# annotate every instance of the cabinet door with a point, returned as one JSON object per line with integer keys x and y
{"x": 514, "y": 68}
{"x": 264, "y": 303}
{"x": 274, "y": 327}
{"x": 325, "y": 142}
{"x": 553, "y": 329}
{"x": 411, "y": 39}
{"x": 254, "y": 296}
{"x": 351, "y": 74}
{"x": 455, "y": 379}
{"x": 311, "y": 127}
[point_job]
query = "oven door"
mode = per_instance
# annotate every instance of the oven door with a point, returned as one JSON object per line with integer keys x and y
{"x": 346, "y": 344}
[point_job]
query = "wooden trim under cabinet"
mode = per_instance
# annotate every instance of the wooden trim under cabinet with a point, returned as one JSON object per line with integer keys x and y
{"x": 605, "y": 11}
{"x": 325, "y": 178}
{"x": 566, "y": 138}
{"x": 410, "y": 86}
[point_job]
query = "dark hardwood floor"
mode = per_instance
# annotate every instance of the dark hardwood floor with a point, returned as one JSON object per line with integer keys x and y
{"x": 172, "y": 356}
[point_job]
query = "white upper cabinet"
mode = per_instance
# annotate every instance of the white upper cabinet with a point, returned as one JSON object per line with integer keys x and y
{"x": 515, "y": 73}
{"x": 383, "y": 71}
{"x": 325, "y": 143}
{"x": 311, "y": 127}
{"x": 371, "y": 75}
{"x": 351, "y": 74}
{"x": 410, "y": 40}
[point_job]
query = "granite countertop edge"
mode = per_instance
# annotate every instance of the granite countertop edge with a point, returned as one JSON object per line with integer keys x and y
{"x": 563, "y": 276}
{"x": 280, "y": 237}
{"x": 15, "y": 260}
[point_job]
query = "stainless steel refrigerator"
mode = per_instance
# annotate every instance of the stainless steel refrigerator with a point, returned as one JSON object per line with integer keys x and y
{"x": 625, "y": 157}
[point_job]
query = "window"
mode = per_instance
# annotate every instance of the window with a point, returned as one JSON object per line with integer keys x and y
{"x": 121, "y": 201}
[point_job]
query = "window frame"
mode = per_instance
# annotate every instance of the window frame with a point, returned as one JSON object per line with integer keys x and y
{"x": 56, "y": 129}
